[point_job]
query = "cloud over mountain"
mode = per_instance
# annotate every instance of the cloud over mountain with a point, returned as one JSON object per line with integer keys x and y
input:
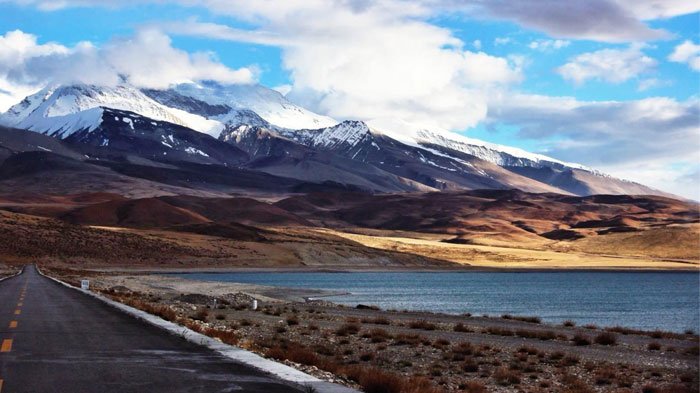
{"x": 146, "y": 60}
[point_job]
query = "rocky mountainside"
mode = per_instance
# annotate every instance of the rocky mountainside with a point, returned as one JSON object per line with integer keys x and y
{"x": 256, "y": 129}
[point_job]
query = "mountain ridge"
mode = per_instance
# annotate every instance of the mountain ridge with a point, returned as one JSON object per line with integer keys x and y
{"x": 257, "y": 128}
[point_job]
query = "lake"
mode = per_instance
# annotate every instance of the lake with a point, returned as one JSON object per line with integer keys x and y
{"x": 643, "y": 300}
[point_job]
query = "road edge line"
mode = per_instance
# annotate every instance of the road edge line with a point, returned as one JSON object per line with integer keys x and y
{"x": 279, "y": 370}
{"x": 14, "y": 275}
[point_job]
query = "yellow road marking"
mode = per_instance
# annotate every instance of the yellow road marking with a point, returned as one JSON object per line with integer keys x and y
{"x": 19, "y": 304}
{"x": 13, "y": 324}
{"x": 0, "y": 385}
{"x": 17, "y": 312}
{"x": 6, "y": 345}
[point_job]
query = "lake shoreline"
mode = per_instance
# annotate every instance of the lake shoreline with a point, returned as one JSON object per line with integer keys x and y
{"x": 331, "y": 340}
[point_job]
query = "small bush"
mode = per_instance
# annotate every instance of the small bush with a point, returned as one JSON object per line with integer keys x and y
{"x": 499, "y": 331}
{"x": 506, "y": 377}
{"x": 422, "y": 325}
{"x": 201, "y": 315}
{"x": 470, "y": 366}
{"x": 379, "y": 335}
{"x": 538, "y": 334}
{"x": 347, "y": 329}
{"x": 654, "y": 346}
{"x": 474, "y": 387}
{"x": 293, "y": 320}
{"x": 606, "y": 338}
{"x": 460, "y": 327}
{"x": 367, "y": 356}
{"x": 581, "y": 340}
{"x": 569, "y": 323}
{"x": 220, "y": 317}
{"x": 407, "y": 339}
{"x": 378, "y": 381}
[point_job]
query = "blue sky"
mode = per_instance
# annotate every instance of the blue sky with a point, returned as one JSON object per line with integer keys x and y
{"x": 611, "y": 84}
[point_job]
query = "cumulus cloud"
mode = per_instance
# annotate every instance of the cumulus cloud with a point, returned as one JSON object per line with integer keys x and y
{"x": 610, "y": 65}
{"x": 687, "y": 52}
{"x": 656, "y": 133}
{"x": 146, "y": 60}
{"x": 376, "y": 60}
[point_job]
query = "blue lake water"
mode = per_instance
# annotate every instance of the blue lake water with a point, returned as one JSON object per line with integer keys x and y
{"x": 644, "y": 300}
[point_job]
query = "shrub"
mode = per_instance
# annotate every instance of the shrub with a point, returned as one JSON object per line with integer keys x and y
{"x": 470, "y": 366}
{"x": 226, "y": 336}
{"x": 348, "y": 328}
{"x": 367, "y": 356}
{"x": 201, "y": 315}
{"x": 460, "y": 327}
{"x": 569, "y": 323}
{"x": 606, "y": 338}
{"x": 422, "y": 324}
{"x": 538, "y": 334}
{"x": 604, "y": 377}
{"x": 220, "y": 317}
{"x": 654, "y": 346}
{"x": 499, "y": 331}
{"x": 373, "y": 380}
{"x": 407, "y": 339}
{"x": 280, "y": 329}
{"x": 293, "y": 320}
{"x": 379, "y": 335}
{"x": 575, "y": 385}
{"x": 474, "y": 387}
{"x": 581, "y": 340}
{"x": 506, "y": 377}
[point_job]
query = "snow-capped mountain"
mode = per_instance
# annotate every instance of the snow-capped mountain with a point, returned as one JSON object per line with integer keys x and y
{"x": 265, "y": 132}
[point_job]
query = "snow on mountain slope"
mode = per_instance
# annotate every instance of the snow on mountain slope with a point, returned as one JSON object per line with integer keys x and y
{"x": 267, "y": 103}
{"x": 415, "y": 135}
{"x": 62, "y": 110}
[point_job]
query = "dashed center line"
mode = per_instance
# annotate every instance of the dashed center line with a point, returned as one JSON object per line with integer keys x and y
{"x": 6, "y": 345}
{"x": 13, "y": 324}
{"x": 17, "y": 312}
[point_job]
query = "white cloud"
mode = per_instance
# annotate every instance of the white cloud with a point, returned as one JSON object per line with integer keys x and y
{"x": 146, "y": 60}
{"x": 476, "y": 44}
{"x": 548, "y": 45}
{"x": 502, "y": 41}
{"x": 599, "y": 20}
{"x": 660, "y": 136}
{"x": 283, "y": 89}
{"x": 610, "y": 65}
{"x": 652, "y": 83}
{"x": 376, "y": 60}
{"x": 687, "y": 52}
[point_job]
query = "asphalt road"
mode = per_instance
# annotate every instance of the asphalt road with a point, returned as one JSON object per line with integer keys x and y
{"x": 54, "y": 339}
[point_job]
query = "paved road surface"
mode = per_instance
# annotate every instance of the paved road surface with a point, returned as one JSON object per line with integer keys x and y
{"x": 54, "y": 339}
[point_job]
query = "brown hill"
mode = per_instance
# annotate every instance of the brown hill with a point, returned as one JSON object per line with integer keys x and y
{"x": 146, "y": 213}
